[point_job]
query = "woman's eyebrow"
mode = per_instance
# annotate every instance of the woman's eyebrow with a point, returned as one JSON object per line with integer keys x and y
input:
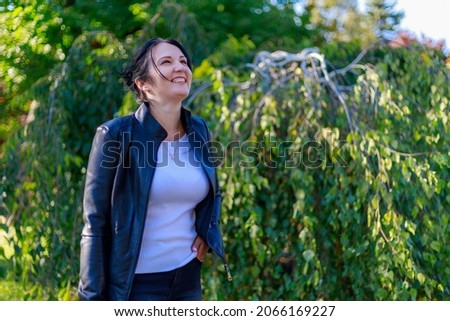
{"x": 170, "y": 57}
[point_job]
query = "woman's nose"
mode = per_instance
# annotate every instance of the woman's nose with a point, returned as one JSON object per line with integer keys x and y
{"x": 180, "y": 66}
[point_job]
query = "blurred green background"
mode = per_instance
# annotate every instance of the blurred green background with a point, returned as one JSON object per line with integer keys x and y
{"x": 340, "y": 190}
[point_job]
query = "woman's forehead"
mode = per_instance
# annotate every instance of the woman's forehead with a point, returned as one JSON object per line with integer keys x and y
{"x": 166, "y": 49}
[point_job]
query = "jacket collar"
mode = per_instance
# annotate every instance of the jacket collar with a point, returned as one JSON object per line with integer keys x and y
{"x": 154, "y": 129}
{"x": 151, "y": 125}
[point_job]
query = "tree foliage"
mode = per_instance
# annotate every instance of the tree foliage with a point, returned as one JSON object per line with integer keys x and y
{"x": 336, "y": 193}
{"x": 41, "y": 192}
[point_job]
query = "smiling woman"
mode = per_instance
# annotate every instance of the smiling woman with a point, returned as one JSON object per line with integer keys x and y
{"x": 150, "y": 219}
{"x": 166, "y": 84}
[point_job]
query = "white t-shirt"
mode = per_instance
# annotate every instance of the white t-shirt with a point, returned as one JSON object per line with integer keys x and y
{"x": 178, "y": 185}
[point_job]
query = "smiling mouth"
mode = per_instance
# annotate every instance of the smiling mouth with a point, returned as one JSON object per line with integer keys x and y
{"x": 179, "y": 80}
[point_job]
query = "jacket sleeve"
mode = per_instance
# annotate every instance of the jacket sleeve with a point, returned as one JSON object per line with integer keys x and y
{"x": 95, "y": 240}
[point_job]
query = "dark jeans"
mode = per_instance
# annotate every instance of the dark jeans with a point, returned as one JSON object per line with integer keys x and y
{"x": 182, "y": 284}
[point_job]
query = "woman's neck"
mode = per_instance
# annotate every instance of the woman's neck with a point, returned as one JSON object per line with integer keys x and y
{"x": 169, "y": 116}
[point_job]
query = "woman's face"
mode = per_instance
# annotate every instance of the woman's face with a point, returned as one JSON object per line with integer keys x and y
{"x": 172, "y": 63}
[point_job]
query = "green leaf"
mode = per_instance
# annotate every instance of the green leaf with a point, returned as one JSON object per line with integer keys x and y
{"x": 436, "y": 246}
{"x": 308, "y": 255}
{"x": 421, "y": 278}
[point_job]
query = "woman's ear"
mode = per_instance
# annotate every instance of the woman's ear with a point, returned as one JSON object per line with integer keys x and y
{"x": 142, "y": 85}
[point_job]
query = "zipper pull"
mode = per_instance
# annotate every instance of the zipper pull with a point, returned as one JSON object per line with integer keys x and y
{"x": 227, "y": 269}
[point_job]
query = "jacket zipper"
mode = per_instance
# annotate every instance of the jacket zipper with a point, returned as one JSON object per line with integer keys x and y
{"x": 227, "y": 269}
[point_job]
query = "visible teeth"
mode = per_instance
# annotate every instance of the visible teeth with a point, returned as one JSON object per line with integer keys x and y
{"x": 179, "y": 80}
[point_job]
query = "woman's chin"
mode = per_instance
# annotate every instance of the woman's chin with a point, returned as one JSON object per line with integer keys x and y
{"x": 181, "y": 94}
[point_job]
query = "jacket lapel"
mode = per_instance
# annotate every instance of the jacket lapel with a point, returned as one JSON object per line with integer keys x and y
{"x": 197, "y": 135}
{"x": 201, "y": 151}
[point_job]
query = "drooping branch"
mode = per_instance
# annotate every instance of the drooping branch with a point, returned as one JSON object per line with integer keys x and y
{"x": 271, "y": 70}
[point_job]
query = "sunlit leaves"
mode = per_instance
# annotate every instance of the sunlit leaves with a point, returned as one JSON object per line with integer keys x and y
{"x": 371, "y": 227}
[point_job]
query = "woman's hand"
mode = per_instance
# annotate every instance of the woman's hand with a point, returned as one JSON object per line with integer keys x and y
{"x": 200, "y": 247}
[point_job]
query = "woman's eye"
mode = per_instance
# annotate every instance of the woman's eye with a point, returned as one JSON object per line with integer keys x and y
{"x": 184, "y": 62}
{"x": 165, "y": 62}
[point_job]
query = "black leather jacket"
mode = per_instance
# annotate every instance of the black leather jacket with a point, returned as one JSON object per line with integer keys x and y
{"x": 118, "y": 180}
